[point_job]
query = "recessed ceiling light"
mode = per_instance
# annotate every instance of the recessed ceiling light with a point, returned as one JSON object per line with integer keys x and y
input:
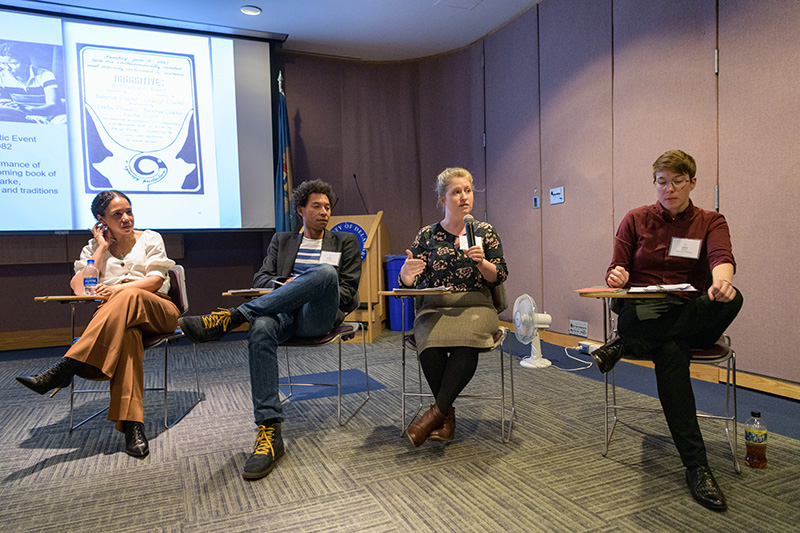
{"x": 251, "y": 10}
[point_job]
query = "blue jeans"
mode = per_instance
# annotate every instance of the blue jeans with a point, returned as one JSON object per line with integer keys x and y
{"x": 304, "y": 307}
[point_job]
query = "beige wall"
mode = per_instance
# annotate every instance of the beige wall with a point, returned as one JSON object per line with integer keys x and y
{"x": 577, "y": 153}
{"x": 586, "y": 94}
{"x": 512, "y": 153}
{"x": 583, "y": 94}
{"x": 759, "y": 128}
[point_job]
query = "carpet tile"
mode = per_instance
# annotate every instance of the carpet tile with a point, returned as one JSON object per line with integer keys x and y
{"x": 366, "y": 476}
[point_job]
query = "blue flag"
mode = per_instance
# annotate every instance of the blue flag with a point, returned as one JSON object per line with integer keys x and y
{"x": 284, "y": 212}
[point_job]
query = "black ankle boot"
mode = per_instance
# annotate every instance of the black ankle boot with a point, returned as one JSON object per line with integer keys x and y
{"x": 57, "y": 376}
{"x": 135, "y": 441}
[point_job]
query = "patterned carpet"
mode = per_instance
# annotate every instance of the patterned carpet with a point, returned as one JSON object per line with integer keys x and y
{"x": 365, "y": 476}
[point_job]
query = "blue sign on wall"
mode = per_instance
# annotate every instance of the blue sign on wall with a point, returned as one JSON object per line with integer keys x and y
{"x": 355, "y": 229}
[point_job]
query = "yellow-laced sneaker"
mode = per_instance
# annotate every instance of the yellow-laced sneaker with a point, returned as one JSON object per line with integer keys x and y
{"x": 267, "y": 450}
{"x": 211, "y": 327}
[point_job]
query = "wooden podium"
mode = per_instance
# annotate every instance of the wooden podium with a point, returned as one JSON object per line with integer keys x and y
{"x": 372, "y": 235}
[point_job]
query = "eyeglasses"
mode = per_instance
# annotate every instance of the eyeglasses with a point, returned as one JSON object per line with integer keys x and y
{"x": 676, "y": 184}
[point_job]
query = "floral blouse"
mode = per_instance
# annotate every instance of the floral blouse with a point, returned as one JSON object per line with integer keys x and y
{"x": 448, "y": 265}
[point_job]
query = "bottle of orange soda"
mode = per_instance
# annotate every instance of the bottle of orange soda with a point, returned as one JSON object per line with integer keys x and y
{"x": 755, "y": 436}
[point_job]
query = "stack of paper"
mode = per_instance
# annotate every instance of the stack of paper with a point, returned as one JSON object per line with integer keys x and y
{"x": 678, "y": 287}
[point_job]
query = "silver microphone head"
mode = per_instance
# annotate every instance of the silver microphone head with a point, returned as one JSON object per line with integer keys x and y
{"x": 469, "y": 219}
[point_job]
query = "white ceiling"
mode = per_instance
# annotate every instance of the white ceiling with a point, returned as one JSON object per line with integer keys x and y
{"x": 374, "y": 30}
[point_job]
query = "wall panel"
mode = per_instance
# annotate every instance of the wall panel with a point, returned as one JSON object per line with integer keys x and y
{"x": 32, "y": 249}
{"x": 512, "y": 152}
{"x": 664, "y": 95}
{"x": 450, "y": 125}
{"x": 214, "y": 262}
{"x": 759, "y": 95}
{"x": 313, "y": 88}
{"x": 379, "y": 123}
{"x": 576, "y": 82}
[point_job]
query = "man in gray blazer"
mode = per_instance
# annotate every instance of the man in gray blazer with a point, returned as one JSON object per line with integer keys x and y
{"x": 315, "y": 275}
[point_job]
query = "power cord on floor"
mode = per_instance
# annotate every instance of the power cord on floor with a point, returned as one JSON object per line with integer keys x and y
{"x": 587, "y": 364}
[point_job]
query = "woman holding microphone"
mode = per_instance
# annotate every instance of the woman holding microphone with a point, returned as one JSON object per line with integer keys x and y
{"x": 452, "y": 329}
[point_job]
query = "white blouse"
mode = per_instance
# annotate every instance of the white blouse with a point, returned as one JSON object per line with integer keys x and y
{"x": 147, "y": 258}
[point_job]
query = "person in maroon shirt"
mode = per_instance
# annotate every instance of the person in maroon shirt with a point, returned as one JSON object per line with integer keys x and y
{"x": 672, "y": 242}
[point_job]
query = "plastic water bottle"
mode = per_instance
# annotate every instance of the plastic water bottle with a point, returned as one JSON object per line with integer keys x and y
{"x": 755, "y": 436}
{"x": 89, "y": 278}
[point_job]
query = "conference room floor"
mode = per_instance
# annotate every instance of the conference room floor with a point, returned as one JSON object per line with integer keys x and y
{"x": 366, "y": 476}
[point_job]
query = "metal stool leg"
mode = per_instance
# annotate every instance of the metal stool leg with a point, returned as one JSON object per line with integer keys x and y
{"x": 366, "y": 377}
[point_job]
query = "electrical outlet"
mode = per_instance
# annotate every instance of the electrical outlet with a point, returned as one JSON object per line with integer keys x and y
{"x": 579, "y": 328}
{"x": 589, "y": 346}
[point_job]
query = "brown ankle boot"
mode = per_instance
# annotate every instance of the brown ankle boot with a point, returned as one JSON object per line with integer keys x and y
{"x": 431, "y": 419}
{"x": 448, "y": 429}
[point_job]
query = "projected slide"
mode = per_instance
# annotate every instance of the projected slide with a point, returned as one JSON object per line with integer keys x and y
{"x": 88, "y": 107}
{"x": 34, "y": 148}
{"x": 139, "y": 107}
{"x": 142, "y": 105}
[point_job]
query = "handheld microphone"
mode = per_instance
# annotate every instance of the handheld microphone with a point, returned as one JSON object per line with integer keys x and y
{"x": 469, "y": 223}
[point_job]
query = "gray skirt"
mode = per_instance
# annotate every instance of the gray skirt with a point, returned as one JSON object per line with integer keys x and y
{"x": 457, "y": 319}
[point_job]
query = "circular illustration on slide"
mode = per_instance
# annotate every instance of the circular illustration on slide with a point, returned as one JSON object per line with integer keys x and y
{"x": 142, "y": 169}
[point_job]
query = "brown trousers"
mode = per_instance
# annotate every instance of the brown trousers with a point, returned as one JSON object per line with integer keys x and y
{"x": 112, "y": 346}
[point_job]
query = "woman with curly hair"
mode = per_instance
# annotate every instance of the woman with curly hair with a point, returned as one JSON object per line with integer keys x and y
{"x": 133, "y": 283}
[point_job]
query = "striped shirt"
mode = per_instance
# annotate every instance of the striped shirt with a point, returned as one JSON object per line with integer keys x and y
{"x": 307, "y": 256}
{"x": 30, "y": 92}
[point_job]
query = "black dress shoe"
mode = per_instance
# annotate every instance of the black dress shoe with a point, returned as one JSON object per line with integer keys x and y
{"x": 57, "y": 376}
{"x": 705, "y": 489}
{"x": 135, "y": 441}
{"x": 605, "y": 357}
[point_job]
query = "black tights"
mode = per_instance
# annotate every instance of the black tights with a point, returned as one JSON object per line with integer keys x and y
{"x": 448, "y": 375}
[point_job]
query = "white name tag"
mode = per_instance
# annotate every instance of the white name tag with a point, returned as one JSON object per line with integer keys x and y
{"x": 330, "y": 258}
{"x": 462, "y": 242}
{"x": 688, "y": 248}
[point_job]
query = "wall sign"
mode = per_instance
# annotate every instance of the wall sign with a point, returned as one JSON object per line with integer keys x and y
{"x": 355, "y": 229}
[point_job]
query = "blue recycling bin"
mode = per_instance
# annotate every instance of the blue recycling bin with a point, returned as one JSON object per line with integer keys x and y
{"x": 393, "y": 265}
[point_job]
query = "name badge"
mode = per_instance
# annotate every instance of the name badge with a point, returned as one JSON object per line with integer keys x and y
{"x": 462, "y": 242}
{"x": 330, "y": 258}
{"x": 688, "y": 248}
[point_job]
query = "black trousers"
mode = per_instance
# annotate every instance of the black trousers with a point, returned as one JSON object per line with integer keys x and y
{"x": 668, "y": 341}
